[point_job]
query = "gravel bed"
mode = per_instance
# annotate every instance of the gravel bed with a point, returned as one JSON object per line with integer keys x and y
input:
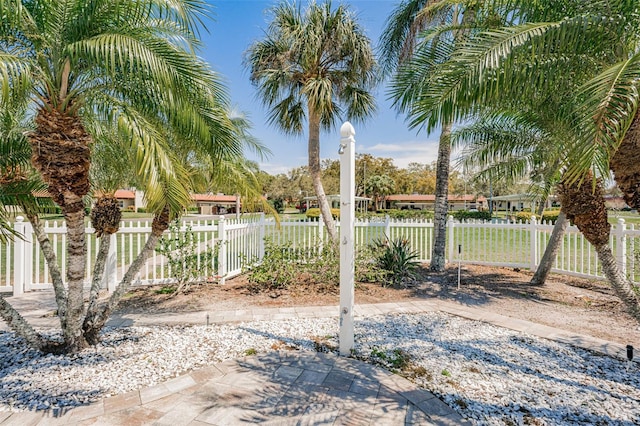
{"x": 490, "y": 375}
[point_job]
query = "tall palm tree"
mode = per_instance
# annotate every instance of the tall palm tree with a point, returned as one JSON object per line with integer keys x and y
{"x": 100, "y": 67}
{"x": 598, "y": 42}
{"x": 315, "y": 65}
{"x": 430, "y": 28}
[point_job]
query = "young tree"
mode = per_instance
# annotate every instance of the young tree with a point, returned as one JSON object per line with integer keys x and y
{"x": 317, "y": 66}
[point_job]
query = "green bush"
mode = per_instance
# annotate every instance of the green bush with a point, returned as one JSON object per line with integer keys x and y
{"x": 142, "y": 210}
{"x": 548, "y": 216}
{"x": 184, "y": 256}
{"x": 278, "y": 205}
{"x": 397, "y": 214}
{"x": 284, "y": 266}
{"x": 398, "y": 260}
{"x": 314, "y": 213}
{"x": 466, "y": 215}
{"x": 51, "y": 210}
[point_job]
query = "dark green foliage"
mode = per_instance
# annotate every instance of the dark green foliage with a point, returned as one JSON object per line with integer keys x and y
{"x": 397, "y": 214}
{"x": 548, "y": 216}
{"x": 466, "y": 214}
{"x": 398, "y": 261}
{"x": 284, "y": 266}
{"x": 314, "y": 213}
{"x": 278, "y": 205}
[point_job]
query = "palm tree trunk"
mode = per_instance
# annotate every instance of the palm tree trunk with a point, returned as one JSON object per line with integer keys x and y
{"x": 441, "y": 200}
{"x": 316, "y": 173}
{"x": 52, "y": 264}
{"x": 21, "y": 327}
{"x": 94, "y": 323}
{"x": 550, "y": 252}
{"x": 584, "y": 205}
{"x": 60, "y": 152}
{"x": 625, "y": 165}
{"x": 98, "y": 273}
{"x": 621, "y": 285}
{"x": 76, "y": 252}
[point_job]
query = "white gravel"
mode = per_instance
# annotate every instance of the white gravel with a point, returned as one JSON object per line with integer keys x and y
{"x": 491, "y": 375}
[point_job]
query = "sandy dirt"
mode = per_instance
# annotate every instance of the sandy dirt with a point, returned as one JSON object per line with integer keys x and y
{"x": 575, "y": 304}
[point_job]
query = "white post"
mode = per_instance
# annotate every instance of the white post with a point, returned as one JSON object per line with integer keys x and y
{"x": 18, "y": 257}
{"x": 222, "y": 253}
{"x": 347, "y": 219}
{"x": 621, "y": 245}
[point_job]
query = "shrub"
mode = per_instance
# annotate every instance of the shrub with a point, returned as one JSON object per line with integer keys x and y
{"x": 284, "y": 266}
{"x": 367, "y": 267}
{"x": 51, "y": 210}
{"x": 181, "y": 250}
{"x": 547, "y": 216}
{"x": 314, "y": 213}
{"x": 397, "y": 214}
{"x": 466, "y": 214}
{"x": 278, "y": 205}
{"x": 398, "y": 260}
{"x": 142, "y": 210}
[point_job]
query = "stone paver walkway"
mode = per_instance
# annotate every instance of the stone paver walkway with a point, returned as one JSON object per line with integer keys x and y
{"x": 279, "y": 388}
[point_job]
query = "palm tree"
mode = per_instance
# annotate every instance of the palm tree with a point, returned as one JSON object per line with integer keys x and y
{"x": 379, "y": 186}
{"x": 94, "y": 69}
{"x": 598, "y": 42}
{"x": 516, "y": 143}
{"x": 431, "y": 28}
{"x": 317, "y": 66}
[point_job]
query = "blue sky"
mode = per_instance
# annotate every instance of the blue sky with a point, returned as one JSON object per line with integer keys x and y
{"x": 238, "y": 23}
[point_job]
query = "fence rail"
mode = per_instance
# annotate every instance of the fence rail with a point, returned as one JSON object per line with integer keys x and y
{"x": 241, "y": 241}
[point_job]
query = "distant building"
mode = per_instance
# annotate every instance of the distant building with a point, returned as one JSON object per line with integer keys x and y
{"x": 519, "y": 202}
{"x": 362, "y": 203}
{"x": 208, "y": 204}
{"x": 427, "y": 202}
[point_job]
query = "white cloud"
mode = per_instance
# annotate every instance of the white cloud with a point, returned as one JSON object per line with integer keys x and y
{"x": 424, "y": 152}
{"x": 275, "y": 169}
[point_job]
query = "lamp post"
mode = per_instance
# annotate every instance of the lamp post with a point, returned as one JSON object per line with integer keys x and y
{"x": 347, "y": 219}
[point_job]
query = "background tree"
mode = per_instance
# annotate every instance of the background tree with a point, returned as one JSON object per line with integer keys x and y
{"x": 314, "y": 66}
{"x": 378, "y": 187}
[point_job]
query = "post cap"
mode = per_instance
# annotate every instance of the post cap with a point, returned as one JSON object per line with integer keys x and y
{"x": 347, "y": 130}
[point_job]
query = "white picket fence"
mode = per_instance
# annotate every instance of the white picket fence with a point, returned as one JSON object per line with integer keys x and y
{"x": 241, "y": 242}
